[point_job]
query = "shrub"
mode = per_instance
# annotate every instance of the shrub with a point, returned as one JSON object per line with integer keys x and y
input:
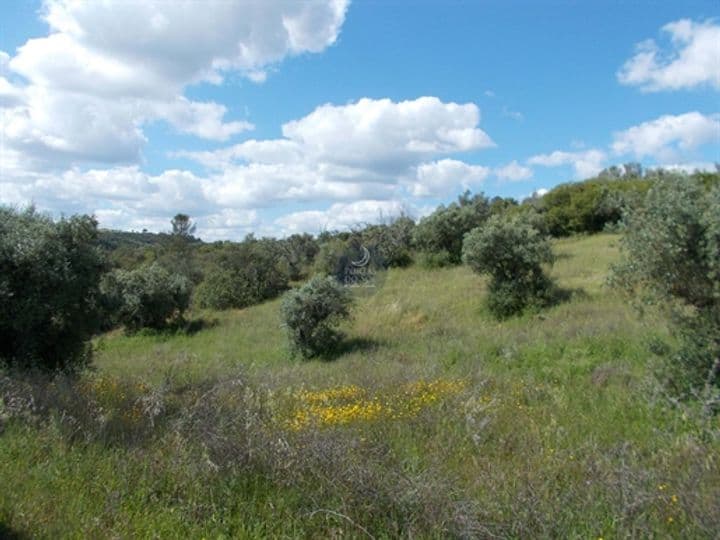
{"x": 511, "y": 250}
{"x": 589, "y": 206}
{"x": 49, "y": 289}
{"x": 311, "y": 314}
{"x": 442, "y": 231}
{"x": 332, "y": 258}
{"x": 672, "y": 258}
{"x": 244, "y": 274}
{"x": 392, "y": 242}
{"x": 299, "y": 251}
{"x": 148, "y": 297}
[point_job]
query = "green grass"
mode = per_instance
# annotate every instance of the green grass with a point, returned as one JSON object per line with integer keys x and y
{"x": 560, "y": 432}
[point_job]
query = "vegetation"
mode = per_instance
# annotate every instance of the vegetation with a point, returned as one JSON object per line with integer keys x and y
{"x": 434, "y": 419}
{"x": 148, "y": 297}
{"x": 49, "y": 289}
{"x": 439, "y": 236}
{"x": 451, "y": 424}
{"x": 311, "y": 314}
{"x": 672, "y": 257}
{"x": 512, "y": 251}
{"x": 244, "y": 274}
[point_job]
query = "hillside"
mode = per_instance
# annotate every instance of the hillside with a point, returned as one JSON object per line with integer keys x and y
{"x": 436, "y": 420}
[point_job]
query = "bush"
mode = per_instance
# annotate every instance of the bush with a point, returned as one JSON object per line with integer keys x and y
{"x": 672, "y": 258}
{"x": 392, "y": 243}
{"x": 299, "y": 251}
{"x": 442, "y": 231}
{"x": 244, "y": 274}
{"x": 148, "y": 297}
{"x": 511, "y": 250}
{"x": 590, "y": 206}
{"x": 311, "y": 314}
{"x": 49, "y": 289}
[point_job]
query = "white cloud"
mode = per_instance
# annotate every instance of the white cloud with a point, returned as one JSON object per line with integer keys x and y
{"x": 668, "y": 138}
{"x": 390, "y": 134}
{"x": 339, "y": 216}
{"x": 586, "y": 163}
{"x": 514, "y": 172}
{"x": 107, "y": 68}
{"x": 446, "y": 176}
{"x": 366, "y": 149}
{"x": 694, "y": 59}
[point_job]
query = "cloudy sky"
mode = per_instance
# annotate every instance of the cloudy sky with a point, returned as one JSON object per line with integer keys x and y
{"x": 303, "y": 115}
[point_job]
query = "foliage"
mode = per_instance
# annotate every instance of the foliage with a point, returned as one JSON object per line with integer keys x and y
{"x": 182, "y": 226}
{"x": 49, "y": 289}
{"x": 244, "y": 274}
{"x": 311, "y": 314}
{"x": 589, "y": 206}
{"x": 299, "y": 251}
{"x": 443, "y": 230}
{"x": 147, "y": 297}
{"x": 672, "y": 258}
{"x": 332, "y": 257}
{"x": 512, "y": 251}
{"x": 392, "y": 241}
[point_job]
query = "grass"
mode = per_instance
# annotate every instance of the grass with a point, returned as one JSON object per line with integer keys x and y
{"x": 556, "y": 428}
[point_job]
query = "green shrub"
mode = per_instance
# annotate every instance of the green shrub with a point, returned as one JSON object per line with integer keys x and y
{"x": 392, "y": 243}
{"x": 511, "y": 250}
{"x": 49, "y": 289}
{"x": 311, "y": 314}
{"x": 332, "y": 258}
{"x": 590, "y": 206}
{"x": 299, "y": 251}
{"x": 147, "y": 297}
{"x": 244, "y": 274}
{"x": 672, "y": 258}
{"x": 442, "y": 231}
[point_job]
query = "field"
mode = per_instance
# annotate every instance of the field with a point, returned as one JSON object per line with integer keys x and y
{"x": 434, "y": 421}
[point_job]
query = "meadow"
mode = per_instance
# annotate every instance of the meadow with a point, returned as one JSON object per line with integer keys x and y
{"x": 434, "y": 420}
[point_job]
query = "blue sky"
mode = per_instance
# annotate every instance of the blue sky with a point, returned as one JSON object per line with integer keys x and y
{"x": 280, "y": 117}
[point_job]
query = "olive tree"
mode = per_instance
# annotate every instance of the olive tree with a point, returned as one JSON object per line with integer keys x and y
{"x": 312, "y": 313}
{"x": 49, "y": 289}
{"x": 511, "y": 250}
{"x": 671, "y": 258}
{"x": 147, "y": 297}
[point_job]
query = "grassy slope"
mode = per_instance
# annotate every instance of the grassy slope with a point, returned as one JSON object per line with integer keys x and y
{"x": 556, "y": 436}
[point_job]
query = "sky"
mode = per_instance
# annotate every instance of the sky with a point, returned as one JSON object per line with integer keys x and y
{"x": 285, "y": 116}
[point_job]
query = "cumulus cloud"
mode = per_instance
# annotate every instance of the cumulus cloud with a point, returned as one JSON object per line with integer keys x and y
{"x": 513, "y": 172}
{"x": 339, "y": 216}
{"x": 366, "y": 149}
{"x": 668, "y": 138}
{"x": 446, "y": 176}
{"x": 693, "y": 59}
{"x": 586, "y": 163}
{"x": 83, "y": 93}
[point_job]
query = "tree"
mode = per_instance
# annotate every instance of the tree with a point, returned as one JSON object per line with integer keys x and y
{"x": 440, "y": 235}
{"x": 512, "y": 250}
{"x": 312, "y": 313}
{"x": 244, "y": 274}
{"x": 147, "y": 297}
{"x": 49, "y": 289}
{"x": 182, "y": 226}
{"x": 671, "y": 258}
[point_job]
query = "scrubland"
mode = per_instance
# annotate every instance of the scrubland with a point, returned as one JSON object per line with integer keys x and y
{"x": 433, "y": 420}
